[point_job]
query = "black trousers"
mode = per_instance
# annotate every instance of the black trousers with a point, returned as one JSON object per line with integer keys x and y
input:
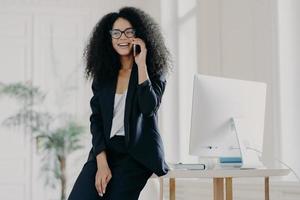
{"x": 128, "y": 176}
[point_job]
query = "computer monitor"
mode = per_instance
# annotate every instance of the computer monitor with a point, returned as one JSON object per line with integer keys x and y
{"x": 227, "y": 119}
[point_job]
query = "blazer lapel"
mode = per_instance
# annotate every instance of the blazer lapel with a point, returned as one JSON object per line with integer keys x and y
{"x": 128, "y": 103}
{"x": 107, "y": 102}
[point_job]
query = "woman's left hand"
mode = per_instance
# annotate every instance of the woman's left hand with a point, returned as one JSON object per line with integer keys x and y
{"x": 140, "y": 59}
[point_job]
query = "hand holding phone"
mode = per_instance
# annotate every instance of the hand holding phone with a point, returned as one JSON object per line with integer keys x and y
{"x": 136, "y": 49}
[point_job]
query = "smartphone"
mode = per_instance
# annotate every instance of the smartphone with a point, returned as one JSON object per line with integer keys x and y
{"x": 136, "y": 49}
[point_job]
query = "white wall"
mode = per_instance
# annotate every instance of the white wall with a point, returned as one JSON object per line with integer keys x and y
{"x": 237, "y": 39}
{"x": 232, "y": 38}
{"x": 289, "y": 66}
{"x": 179, "y": 27}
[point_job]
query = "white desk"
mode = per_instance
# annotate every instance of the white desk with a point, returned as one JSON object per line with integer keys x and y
{"x": 219, "y": 175}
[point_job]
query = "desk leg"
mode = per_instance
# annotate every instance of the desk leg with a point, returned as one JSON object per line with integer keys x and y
{"x": 161, "y": 188}
{"x": 172, "y": 188}
{"x": 229, "y": 188}
{"x": 267, "y": 188}
{"x": 218, "y": 188}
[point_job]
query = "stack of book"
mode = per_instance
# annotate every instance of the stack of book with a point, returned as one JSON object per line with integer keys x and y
{"x": 230, "y": 162}
{"x": 187, "y": 166}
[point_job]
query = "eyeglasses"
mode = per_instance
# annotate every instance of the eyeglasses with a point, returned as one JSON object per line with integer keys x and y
{"x": 116, "y": 33}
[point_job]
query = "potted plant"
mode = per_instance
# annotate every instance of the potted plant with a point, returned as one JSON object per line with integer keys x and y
{"x": 54, "y": 143}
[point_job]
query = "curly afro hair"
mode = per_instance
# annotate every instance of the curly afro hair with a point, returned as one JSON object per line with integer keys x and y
{"x": 103, "y": 62}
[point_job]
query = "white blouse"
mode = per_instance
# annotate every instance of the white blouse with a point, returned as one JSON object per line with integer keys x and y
{"x": 118, "y": 115}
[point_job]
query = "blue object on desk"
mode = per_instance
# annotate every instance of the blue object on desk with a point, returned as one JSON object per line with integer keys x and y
{"x": 230, "y": 160}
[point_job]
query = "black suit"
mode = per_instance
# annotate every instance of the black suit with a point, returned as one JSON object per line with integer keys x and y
{"x": 142, "y": 137}
{"x": 133, "y": 158}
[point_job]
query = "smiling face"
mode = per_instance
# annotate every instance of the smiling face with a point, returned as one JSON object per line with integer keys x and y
{"x": 122, "y": 45}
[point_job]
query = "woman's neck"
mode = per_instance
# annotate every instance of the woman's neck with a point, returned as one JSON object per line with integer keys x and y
{"x": 126, "y": 62}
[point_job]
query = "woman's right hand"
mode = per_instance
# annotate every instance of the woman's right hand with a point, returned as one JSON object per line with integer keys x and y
{"x": 102, "y": 178}
{"x": 103, "y": 174}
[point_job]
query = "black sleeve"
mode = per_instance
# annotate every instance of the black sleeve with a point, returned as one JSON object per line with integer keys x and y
{"x": 96, "y": 123}
{"x": 150, "y": 94}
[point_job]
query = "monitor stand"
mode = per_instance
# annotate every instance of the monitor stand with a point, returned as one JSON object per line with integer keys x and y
{"x": 249, "y": 157}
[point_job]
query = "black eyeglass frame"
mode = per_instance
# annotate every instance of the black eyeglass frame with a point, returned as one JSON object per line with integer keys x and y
{"x": 122, "y": 32}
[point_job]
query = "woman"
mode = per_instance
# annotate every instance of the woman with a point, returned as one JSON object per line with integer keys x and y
{"x": 127, "y": 92}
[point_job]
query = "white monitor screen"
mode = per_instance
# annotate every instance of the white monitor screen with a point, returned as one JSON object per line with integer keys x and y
{"x": 216, "y": 101}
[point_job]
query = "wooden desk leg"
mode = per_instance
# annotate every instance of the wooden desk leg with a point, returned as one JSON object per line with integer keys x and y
{"x": 218, "y": 188}
{"x": 172, "y": 188}
{"x": 267, "y": 188}
{"x": 229, "y": 188}
{"x": 161, "y": 188}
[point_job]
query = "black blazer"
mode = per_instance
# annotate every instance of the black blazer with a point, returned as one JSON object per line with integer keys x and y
{"x": 142, "y": 136}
